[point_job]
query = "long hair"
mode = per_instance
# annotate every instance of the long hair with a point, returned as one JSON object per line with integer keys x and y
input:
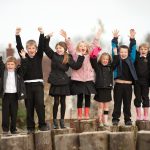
{"x": 86, "y": 44}
{"x": 66, "y": 56}
{"x": 105, "y": 54}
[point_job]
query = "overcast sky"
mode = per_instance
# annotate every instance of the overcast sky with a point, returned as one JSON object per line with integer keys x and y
{"x": 78, "y": 17}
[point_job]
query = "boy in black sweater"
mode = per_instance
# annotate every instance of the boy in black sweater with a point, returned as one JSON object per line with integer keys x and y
{"x": 124, "y": 76}
{"x": 33, "y": 79}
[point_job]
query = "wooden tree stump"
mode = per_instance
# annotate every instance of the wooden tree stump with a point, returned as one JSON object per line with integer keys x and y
{"x": 85, "y": 125}
{"x": 114, "y": 128}
{"x": 104, "y": 128}
{"x": 121, "y": 141}
{"x": 143, "y": 125}
{"x": 143, "y": 140}
{"x": 55, "y": 132}
{"x": 94, "y": 140}
{"x": 43, "y": 140}
{"x": 133, "y": 129}
{"x": 67, "y": 142}
{"x": 17, "y": 142}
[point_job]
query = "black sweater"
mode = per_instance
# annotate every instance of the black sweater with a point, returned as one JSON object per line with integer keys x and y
{"x": 58, "y": 74}
{"x": 34, "y": 66}
{"x": 142, "y": 66}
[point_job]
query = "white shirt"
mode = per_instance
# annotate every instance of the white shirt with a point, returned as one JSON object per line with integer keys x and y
{"x": 11, "y": 83}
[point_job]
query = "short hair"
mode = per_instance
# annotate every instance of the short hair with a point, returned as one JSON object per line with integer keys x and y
{"x": 145, "y": 45}
{"x": 31, "y": 43}
{"x": 124, "y": 46}
{"x": 11, "y": 59}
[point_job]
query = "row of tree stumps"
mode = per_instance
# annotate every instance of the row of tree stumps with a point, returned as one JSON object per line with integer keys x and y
{"x": 84, "y": 135}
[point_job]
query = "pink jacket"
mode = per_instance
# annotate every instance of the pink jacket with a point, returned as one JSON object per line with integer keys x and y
{"x": 86, "y": 72}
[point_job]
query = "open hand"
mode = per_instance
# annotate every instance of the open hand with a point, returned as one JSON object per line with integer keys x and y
{"x": 18, "y": 30}
{"x": 23, "y": 53}
{"x": 115, "y": 33}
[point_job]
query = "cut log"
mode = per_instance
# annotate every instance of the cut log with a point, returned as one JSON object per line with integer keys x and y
{"x": 143, "y": 125}
{"x": 17, "y": 142}
{"x": 121, "y": 141}
{"x": 143, "y": 140}
{"x": 86, "y": 125}
{"x": 43, "y": 140}
{"x": 127, "y": 128}
{"x": 67, "y": 142}
{"x": 55, "y": 132}
{"x": 94, "y": 140}
{"x": 133, "y": 129}
{"x": 114, "y": 128}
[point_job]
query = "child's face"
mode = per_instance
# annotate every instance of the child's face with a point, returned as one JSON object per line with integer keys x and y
{"x": 60, "y": 50}
{"x": 31, "y": 50}
{"x": 143, "y": 51}
{"x": 105, "y": 60}
{"x": 123, "y": 53}
{"x": 82, "y": 48}
{"x": 10, "y": 66}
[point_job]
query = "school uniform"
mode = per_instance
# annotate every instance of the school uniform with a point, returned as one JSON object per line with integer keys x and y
{"x": 141, "y": 88}
{"x": 124, "y": 70}
{"x": 12, "y": 89}
{"x": 103, "y": 81}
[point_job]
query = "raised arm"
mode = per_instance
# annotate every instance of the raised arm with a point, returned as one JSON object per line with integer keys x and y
{"x": 41, "y": 42}
{"x": 48, "y": 51}
{"x": 114, "y": 41}
{"x": 76, "y": 65}
{"x": 19, "y": 45}
{"x": 22, "y": 69}
{"x": 93, "y": 57}
{"x": 132, "y": 45}
{"x": 69, "y": 43}
{"x": 95, "y": 42}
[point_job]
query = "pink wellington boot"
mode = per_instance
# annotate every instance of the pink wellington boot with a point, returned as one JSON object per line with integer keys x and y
{"x": 146, "y": 109}
{"x": 86, "y": 113}
{"x": 79, "y": 113}
{"x": 138, "y": 113}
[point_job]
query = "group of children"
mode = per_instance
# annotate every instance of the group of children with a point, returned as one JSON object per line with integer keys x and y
{"x": 90, "y": 74}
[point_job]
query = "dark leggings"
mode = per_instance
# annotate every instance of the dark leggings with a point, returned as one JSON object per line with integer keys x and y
{"x": 62, "y": 101}
{"x": 80, "y": 100}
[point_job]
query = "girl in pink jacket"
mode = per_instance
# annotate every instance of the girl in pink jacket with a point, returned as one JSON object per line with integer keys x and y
{"x": 82, "y": 79}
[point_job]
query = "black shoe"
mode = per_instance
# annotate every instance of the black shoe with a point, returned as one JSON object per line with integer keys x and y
{"x": 62, "y": 123}
{"x": 14, "y": 132}
{"x": 44, "y": 128}
{"x": 55, "y": 124}
{"x": 31, "y": 131}
{"x": 115, "y": 122}
{"x": 128, "y": 123}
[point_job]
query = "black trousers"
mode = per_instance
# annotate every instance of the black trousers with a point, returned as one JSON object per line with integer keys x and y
{"x": 35, "y": 100}
{"x": 122, "y": 93}
{"x": 80, "y": 98}
{"x": 9, "y": 111}
{"x": 141, "y": 92}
